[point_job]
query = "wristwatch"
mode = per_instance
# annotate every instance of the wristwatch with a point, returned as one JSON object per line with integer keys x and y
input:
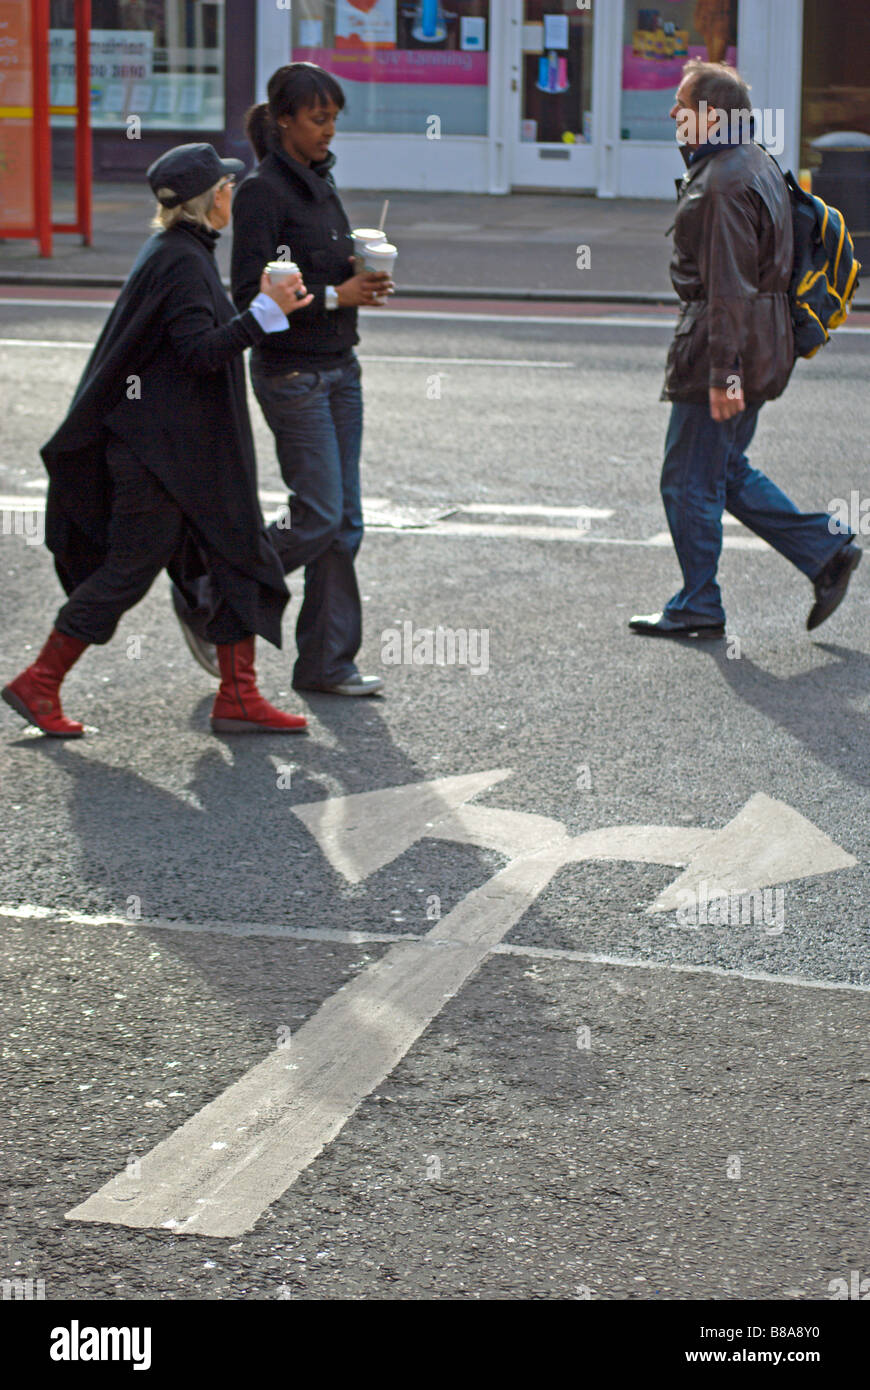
{"x": 331, "y": 297}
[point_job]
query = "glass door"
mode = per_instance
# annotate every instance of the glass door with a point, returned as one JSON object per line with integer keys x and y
{"x": 552, "y": 80}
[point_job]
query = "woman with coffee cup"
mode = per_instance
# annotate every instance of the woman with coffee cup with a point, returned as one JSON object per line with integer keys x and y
{"x": 154, "y": 465}
{"x": 307, "y": 379}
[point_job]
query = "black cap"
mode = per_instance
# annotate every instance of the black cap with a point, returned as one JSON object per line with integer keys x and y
{"x": 190, "y": 170}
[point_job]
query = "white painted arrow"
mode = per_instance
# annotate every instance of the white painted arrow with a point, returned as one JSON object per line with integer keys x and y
{"x": 219, "y": 1172}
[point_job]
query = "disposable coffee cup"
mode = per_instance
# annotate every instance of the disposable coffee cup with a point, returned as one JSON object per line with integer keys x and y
{"x": 363, "y": 237}
{"x": 283, "y": 270}
{"x": 380, "y": 257}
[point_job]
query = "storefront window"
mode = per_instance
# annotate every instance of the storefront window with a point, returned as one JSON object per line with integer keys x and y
{"x": 836, "y": 82}
{"x": 407, "y": 69}
{"x": 657, "y": 43}
{"x": 160, "y": 60}
{"x": 556, "y": 73}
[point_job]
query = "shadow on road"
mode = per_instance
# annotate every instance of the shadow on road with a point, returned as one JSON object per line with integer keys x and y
{"x": 821, "y": 708}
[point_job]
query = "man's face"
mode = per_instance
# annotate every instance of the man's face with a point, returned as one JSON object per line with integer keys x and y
{"x": 695, "y": 122}
{"x": 685, "y": 113}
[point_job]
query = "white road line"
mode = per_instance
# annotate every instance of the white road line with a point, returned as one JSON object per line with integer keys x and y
{"x": 58, "y": 303}
{"x": 494, "y": 530}
{"x": 530, "y": 509}
{"x": 639, "y": 963}
{"x": 745, "y": 542}
{"x": 338, "y": 935}
{"x": 467, "y": 361}
{"x": 397, "y": 360}
{"x": 44, "y": 343}
{"x": 549, "y": 320}
{"x": 218, "y": 1173}
{"x": 599, "y": 321}
{"x": 474, "y": 530}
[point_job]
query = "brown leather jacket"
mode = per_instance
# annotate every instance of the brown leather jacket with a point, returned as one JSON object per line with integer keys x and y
{"x": 732, "y": 264}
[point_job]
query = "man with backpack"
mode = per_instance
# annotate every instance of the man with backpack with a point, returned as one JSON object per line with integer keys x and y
{"x": 733, "y": 350}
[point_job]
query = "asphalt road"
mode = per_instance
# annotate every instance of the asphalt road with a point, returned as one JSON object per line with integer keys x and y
{"x": 567, "y": 1124}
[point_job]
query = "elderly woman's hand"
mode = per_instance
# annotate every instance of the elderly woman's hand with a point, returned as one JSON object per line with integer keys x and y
{"x": 284, "y": 292}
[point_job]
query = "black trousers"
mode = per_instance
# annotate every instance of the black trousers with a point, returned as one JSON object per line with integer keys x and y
{"x": 146, "y": 529}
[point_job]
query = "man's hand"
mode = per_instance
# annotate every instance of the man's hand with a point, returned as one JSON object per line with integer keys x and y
{"x": 725, "y": 404}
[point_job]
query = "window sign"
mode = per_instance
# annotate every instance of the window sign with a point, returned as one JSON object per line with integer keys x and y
{"x": 409, "y": 69}
{"x": 557, "y": 53}
{"x": 162, "y": 61}
{"x": 359, "y": 22}
{"x": 657, "y": 43}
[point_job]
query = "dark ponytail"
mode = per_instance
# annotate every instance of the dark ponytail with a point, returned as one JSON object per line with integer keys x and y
{"x": 260, "y": 129}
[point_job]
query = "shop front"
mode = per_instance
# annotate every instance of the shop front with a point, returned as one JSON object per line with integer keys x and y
{"x": 162, "y": 72}
{"x": 551, "y": 95}
{"x": 464, "y": 95}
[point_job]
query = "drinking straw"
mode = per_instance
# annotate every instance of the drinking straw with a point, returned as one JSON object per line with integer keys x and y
{"x": 384, "y": 214}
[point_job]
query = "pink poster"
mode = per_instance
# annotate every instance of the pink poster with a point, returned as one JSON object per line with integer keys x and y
{"x": 365, "y": 23}
{"x": 445, "y": 67}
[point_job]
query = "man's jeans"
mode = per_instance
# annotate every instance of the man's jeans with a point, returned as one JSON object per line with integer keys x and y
{"x": 706, "y": 472}
{"x": 316, "y": 418}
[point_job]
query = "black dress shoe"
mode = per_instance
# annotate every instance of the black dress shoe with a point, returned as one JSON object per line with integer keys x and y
{"x": 657, "y": 625}
{"x": 832, "y": 583}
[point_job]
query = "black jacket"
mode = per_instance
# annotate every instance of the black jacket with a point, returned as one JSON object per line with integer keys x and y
{"x": 285, "y": 204}
{"x": 166, "y": 378}
{"x": 732, "y": 266}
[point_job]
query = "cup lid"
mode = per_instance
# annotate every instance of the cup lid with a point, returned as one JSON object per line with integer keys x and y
{"x": 382, "y": 248}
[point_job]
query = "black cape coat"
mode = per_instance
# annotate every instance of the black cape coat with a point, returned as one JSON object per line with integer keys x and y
{"x": 166, "y": 377}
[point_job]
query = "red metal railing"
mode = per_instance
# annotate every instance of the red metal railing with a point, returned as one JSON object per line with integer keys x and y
{"x": 40, "y": 117}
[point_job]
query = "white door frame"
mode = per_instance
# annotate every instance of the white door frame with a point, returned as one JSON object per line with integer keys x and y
{"x": 578, "y": 172}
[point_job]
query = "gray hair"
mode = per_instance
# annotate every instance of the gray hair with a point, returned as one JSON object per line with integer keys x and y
{"x": 194, "y": 210}
{"x": 720, "y": 85}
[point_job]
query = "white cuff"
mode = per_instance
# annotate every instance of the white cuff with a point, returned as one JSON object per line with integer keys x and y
{"x": 268, "y": 315}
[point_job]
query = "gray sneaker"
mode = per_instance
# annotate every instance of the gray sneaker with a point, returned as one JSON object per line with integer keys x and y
{"x": 204, "y": 653}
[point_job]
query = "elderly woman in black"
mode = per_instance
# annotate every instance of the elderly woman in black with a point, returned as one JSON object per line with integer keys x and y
{"x": 154, "y": 465}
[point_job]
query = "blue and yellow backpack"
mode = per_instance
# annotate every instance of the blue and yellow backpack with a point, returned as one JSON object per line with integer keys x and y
{"x": 825, "y": 275}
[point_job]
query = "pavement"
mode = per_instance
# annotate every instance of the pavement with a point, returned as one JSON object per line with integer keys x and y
{"x": 517, "y": 243}
{"x": 560, "y": 247}
{"x": 266, "y": 1040}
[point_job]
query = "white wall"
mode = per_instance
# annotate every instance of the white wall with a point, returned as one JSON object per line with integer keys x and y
{"x": 274, "y": 40}
{"x": 413, "y": 163}
{"x": 770, "y": 54}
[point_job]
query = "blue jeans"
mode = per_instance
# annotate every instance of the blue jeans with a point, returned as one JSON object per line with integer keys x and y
{"x": 316, "y": 418}
{"x": 706, "y": 472}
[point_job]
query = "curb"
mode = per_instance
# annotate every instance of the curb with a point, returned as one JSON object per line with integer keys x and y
{"x": 454, "y": 292}
{"x": 115, "y": 282}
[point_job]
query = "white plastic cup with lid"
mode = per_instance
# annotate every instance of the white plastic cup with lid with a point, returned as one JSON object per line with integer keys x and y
{"x": 379, "y": 257}
{"x": 363, "y": 237}
{"x": 283, "y": 270}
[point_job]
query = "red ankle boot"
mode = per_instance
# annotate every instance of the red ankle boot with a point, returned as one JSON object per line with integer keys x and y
{"x": 239, "y": 708}
{"x": 35, "y": 694}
